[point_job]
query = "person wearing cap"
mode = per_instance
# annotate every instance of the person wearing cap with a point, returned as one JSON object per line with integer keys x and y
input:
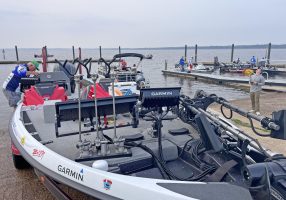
{"x": 256, "y": 82}
{"x": 11, "y": 84}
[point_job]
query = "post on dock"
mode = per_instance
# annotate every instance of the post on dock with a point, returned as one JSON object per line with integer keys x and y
{"x": 196, "y": 53}
{"x": 3, "y": 51}
{"x": 119, "y": 50}
{"x": 268, "y": 55}
{"x": 186, "y": 48}
{"x": 232, "y": 50}
{"x": 100, "y": 52}
{"x": 73, "y": 53}
{"x": 166, "y": 65}
{"x": 44, "y": 57}
{"x": 17, "y": 57}
{"x": 79, "y": 56}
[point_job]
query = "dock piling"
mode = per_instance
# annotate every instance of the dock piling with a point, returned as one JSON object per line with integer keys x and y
{"x": 100, "y": 55}
{"x": 44, "y": 56}
{"x": 17, "y": 56}
{"x": 186, "y": 48}
{"x": 73, "y": 53}
{"x": 166, "y": 65}
{"x": 268, "y": 55}
{"x": 232, "y": 51}
{"x": 119, "y": 50}
{"x": 3, "y": 51}
{"x": 196, "y": 53}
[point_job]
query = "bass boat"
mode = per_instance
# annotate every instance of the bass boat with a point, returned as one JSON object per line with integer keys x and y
{"x": 159, "y": 144}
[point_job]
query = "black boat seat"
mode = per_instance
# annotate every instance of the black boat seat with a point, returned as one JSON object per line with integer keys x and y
{"x": 180, "y": 131}
{"x": 45, "y": 89}
{"x": 134, "y": 137}
{"x": 140, "y": 159}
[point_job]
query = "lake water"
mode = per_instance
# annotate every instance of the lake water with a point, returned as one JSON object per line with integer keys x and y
{"x": 151, "y": 68}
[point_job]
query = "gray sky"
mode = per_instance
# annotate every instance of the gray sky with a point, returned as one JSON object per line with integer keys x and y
{"x": 140, "y": 23}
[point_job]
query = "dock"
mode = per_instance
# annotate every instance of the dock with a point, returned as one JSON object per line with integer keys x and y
{"x": 276, "y": 85}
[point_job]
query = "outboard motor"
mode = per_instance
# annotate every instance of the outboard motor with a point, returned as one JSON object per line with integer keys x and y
{"x": 68, "y": 68}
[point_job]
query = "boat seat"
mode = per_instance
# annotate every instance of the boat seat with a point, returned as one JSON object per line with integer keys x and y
{"x": 140, "y": 159}
{"x": 134, "y": 137}
{"x": 45, "y": 89}
{"x": 180, "y": 131}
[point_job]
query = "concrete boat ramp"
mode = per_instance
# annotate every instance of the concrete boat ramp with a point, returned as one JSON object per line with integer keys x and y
{"x": 275, "y": 85}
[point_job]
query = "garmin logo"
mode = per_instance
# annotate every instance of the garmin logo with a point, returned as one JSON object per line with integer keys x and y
{"x": 69, "y": 172}
{"x": 161, "y": 93}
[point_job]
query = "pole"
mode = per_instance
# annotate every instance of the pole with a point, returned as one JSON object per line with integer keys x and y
{"x": 268, "y": 55}
{"x": 44, "y": 57}
{"x": 3, "y": 51}
{"x": 100, "y": 54}
{"x": 79, "y": 56}
{"x": 73, "y": 53}
{"x": 232, "y": 50}
{"x": 186, "y": 47}
{"x": 17, "y": 57}
{"x": 119, "y": 49}
{"x": 196, "y": 53}
{"x": 166, "y": 65}
{"x": 78, "y": 78}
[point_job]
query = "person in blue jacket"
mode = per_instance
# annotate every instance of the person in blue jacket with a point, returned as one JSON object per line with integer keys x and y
{"x": 182, "y": 63}
{"x": 12, "y": 82}
{"x": 253, "y": 61}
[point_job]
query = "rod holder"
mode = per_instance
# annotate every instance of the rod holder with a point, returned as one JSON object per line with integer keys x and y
{"x": 78, "y": 79}
{"x": 94, "y": 78}
{"x": 104, "y": 147}
{"x": 114, "y": 114}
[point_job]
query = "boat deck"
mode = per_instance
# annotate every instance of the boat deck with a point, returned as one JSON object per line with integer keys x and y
{"x": 66, "y": 146}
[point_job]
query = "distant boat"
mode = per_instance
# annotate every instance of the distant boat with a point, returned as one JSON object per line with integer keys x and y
{"x": 200, "y": 68}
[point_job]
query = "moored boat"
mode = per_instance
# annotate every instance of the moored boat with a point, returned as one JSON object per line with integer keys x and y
{"x": 155, "y": 145}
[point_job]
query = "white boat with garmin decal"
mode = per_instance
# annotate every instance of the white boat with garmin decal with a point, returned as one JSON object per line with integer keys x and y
{"x": 159, "y": 144}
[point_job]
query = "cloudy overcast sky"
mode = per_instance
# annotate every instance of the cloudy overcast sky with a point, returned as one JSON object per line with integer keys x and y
{"x": 140, "y": 23}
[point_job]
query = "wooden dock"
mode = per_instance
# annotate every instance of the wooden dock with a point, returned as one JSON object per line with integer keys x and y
{"x": 219, "y": 79}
